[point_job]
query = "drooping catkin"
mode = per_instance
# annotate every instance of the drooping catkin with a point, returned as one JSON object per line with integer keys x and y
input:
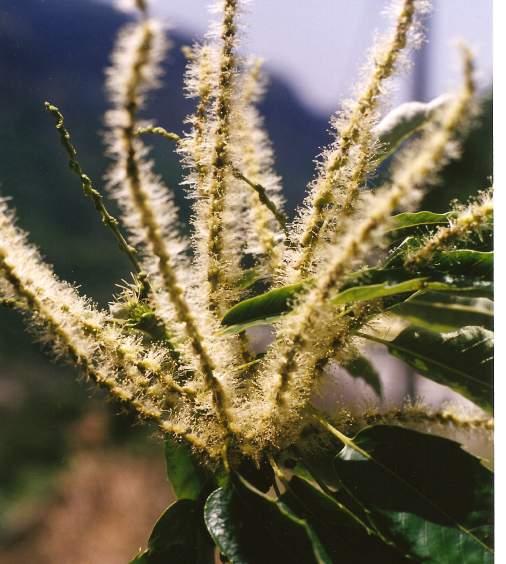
{"x": 124, "y": 352}
{"x": 473, "y": 219}
{"x": 303, "y": 336}
{"x": 346, "y": 162}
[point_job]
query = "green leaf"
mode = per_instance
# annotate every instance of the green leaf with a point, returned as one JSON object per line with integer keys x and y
{"x": 464, "y": 288}
{"x": 187, "y": 477}
{"x": 346, "y": 536}
{"x": 464, "y": 272}
{"x": 462, "y": 360}
{"x": 409, "y": 220}
{"x": 360, "y": 367}
{"x": 436, "y": 498}
{"x": 375, "y": 291}
{"x": 240, "y": 327}
{"x": 249, "y": 527}
{"x": 350, "y": 295}
{"x": 445, "y": 312}
{"x": 457, "y": 266}
{"x": 402, "y": 122}
{"x": 179, "y": 536}
{"x": 272, "y": 303}
{"x": 266, "y": 308}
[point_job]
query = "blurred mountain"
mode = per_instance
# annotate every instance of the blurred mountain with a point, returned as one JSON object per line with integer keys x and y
{"x": 57, "y": 50}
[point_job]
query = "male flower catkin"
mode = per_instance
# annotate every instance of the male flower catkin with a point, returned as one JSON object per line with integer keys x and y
{"x": 303, "y": 337}
{"x": 220, "y": 267}
{"x": 74, "y": 329}
{"x": 253, "y": 156}
{"x": 161, "y": 348}
{"x": 148, "y": 209}
{"x": 346, "y": 162}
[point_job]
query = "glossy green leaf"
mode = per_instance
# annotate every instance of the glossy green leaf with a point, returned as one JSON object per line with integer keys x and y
{"x": 346, "y": 535}
{"x": 464, "y": 287}
{"x": 249, "y": 316}
{"x": 462, "y": 360}
{"x": 445, "y": 312}
{"x": 187, "y": 477}
{"x": 375, "y": 291}
{"x": 240, "y": 327}
{"x": 463, "y": 272}
{"x": 435, "y": 497}
{"x": 270, "y": 304}
{"x": 408, "y": 220}
{"x": 402, "y": 122}
{"x": 248, "y": 527}
{"x": 366, "y": 285}
{"x": 360, "y": 367}
{"x": 179, "y": 536}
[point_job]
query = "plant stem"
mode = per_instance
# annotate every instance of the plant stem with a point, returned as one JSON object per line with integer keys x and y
{"x": 91, "y": 192}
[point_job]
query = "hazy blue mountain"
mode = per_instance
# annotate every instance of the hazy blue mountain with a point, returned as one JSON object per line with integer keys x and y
{"x": 57, "y": 50}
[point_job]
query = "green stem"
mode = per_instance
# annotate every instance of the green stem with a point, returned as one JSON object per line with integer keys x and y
{"x": 259, "y": 189}
{"x": 91, "y": 192}
{"x": 264, "y": 199}
{"x": 158, "y": 130}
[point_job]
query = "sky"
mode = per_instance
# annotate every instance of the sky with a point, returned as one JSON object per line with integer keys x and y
{"x": 318, "y": 46}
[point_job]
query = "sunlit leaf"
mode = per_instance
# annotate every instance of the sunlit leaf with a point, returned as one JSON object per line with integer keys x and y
{"x": 408, "y": 220}
{"x": 375, "y": 291}
{"x": 446, "y": 312}
{"x": 465, "y": 262}
{"x": 269, "y": 304}
{"x": 402, "y": 122}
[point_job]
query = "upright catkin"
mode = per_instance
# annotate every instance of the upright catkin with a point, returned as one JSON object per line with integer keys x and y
{"x": 303, "y": 337}
{"x": 217, "y": 265}
{"x": 254, "y": 158}
{"x": 345, "y": 162}
{"x": 148, "y": 209}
